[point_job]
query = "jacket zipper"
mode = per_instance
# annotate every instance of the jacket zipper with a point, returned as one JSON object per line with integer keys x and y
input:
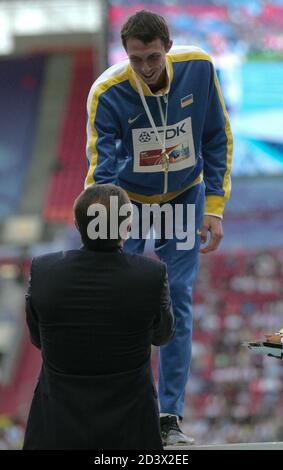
{"x": 165, "y": 163}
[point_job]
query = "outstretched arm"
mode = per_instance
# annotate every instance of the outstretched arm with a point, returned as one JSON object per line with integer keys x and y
{"x": 103, "y": 132}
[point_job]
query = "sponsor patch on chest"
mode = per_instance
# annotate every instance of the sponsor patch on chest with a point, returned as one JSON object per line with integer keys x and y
{"x": 179, "y": 144}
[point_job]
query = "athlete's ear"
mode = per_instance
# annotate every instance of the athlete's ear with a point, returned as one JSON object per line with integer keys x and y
{"x": 170, "y": 43}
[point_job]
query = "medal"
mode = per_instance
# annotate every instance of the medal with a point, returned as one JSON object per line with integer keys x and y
{"x": 165, "y": 161}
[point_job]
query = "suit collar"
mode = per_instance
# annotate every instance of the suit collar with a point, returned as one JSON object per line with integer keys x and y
{"x": 117, "y": 249}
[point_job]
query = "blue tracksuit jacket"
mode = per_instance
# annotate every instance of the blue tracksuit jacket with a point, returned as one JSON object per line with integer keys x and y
{"x": 122, "y": 147}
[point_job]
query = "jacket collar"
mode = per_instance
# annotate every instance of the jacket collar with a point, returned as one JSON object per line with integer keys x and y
{"x": 145, "y": 88}
{"x": 116, "y": 249}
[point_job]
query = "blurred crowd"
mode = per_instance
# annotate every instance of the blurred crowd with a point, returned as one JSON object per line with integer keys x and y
{"x": 220, "y": 26}
{"x": 235, "y": 395}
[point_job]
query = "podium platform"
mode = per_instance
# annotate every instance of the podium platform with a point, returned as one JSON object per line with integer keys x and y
{"x": 241, "y": 446}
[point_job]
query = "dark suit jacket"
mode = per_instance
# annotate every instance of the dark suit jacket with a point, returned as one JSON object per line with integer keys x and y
{"x": 94, "y": 315}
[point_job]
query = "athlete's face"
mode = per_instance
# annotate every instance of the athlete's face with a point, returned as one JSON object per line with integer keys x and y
{"x": 148, "y": 60}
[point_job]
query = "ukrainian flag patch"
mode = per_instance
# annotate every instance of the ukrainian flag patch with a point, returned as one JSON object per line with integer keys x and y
{"x": 186, "y": 100}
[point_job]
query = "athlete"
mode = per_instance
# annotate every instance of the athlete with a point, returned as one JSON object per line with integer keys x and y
{"x": 158, "y": 127}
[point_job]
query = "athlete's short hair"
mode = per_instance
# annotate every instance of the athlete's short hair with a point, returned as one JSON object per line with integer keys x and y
{"x": 145, "y": 26}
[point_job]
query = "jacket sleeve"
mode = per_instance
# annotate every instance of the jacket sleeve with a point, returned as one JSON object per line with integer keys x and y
{"x": 103, "y": 133}
{"x": 216, "y": 149}
{"x": 31, "y": 316}
{"x": 164, "y": 325}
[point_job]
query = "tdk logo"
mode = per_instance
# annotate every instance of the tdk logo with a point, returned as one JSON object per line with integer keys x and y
{"x": 171, "y": 133}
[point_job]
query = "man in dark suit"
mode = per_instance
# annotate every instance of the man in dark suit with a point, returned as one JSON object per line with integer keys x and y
{"x": 94, "y": 313}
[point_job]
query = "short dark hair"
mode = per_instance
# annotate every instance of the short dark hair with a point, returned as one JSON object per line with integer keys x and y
{"x": 145, "y": 26}
{"x": 99, "y": 194}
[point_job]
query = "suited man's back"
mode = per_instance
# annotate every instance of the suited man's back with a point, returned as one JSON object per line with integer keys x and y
{"x": 95, "y": 314}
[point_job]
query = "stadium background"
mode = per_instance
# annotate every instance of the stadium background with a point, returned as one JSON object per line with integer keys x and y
{"x": 51, "y": 51}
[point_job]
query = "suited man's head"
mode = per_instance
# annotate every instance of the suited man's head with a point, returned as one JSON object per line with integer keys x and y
{"x": 102, "y": 215}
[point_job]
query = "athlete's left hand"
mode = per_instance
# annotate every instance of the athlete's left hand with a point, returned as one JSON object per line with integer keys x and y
{"x": 213, "y": 225}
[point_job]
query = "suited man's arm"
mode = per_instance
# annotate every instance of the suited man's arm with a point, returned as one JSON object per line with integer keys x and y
{"x": 164, "y": 324}
{"x": 31, "y": 316}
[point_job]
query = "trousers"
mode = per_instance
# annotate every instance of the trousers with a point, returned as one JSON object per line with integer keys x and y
{"x": 181, "y": 255}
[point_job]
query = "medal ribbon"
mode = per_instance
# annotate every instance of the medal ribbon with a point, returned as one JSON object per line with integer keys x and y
{"x": 165, "y": 156}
